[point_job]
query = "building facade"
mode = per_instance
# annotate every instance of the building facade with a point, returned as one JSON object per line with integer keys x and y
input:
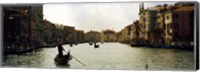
{"x": 135, "y": 32}
{"x": 92, "y": 36}
{"x": 180, "y": 25}
{"x": 108, "y": 36}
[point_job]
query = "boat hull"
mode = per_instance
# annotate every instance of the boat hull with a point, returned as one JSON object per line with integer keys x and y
{"x": 62, "y": 60}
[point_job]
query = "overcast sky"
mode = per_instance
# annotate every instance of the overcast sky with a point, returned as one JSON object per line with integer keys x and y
{"x": 95, "y": 16}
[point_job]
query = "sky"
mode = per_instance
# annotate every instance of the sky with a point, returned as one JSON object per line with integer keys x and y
{"x": 95, "y": 16}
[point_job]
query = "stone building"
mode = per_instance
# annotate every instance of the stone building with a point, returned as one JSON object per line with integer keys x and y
{"x": 49, "y": 36}
{"x": 142, "y": 19}
{"x": 147, "y": 23}
{"x": 108, "y": 36}
{"x": 17, "y": 26}
{"x": 126, "y": 34}
{"x": 158, "y": 34}
{"x": 179, "y": 22}
{"x": 59, "y": 33}
{"x": 80, "y": 36}
{"x": 27, "y": 24}
{"x": 167, "y": 24}
{"x": 37, "y": 27}
{"x": 69, "y": 34}
{"x": 119, "y": 36}
{"x": 135, "y": 29}
{"x": 92, "y": 36}
{"x": 22, "y": 19}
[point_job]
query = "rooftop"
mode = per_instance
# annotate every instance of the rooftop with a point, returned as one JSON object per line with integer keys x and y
{"x": 184, "y": 8}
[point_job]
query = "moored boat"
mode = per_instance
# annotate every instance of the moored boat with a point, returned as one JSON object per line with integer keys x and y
{"x": 90, "y": 43}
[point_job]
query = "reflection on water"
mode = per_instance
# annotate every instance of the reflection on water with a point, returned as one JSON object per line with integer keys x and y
{"x": 62, "y": 66}
{"x": 107, "y": 56}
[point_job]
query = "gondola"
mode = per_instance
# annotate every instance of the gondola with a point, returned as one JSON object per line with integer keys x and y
{"x": 90, "y": 43}
{"x": 70, "y": 44}
{"x": 96, "y": 46}
{"x": 63, "y": 60}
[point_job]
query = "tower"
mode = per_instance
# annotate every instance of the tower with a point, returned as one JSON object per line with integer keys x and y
{"x": 141, "y": 7}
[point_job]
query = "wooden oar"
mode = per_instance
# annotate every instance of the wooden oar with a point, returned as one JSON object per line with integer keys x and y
{"x": 76, "y": 59}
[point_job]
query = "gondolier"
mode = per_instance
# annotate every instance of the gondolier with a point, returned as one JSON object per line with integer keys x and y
{"x": 64, "y": 59}
{"x": 60, "y": 50}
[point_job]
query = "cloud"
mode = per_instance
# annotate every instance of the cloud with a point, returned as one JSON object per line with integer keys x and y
{"x": 93, "y": 16}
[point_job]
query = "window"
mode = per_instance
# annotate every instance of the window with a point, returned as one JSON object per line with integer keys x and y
{"x": 170, "y": 26}
{"x": 176, "y": 25}
{"x": 167, "y": 17}
{"x": 190, "y": 15}
{"x": 176, "y": 16}
{"x": 11, "y": 17}
{"x": 176, "y": 34}
{"x": 164, "y": 26}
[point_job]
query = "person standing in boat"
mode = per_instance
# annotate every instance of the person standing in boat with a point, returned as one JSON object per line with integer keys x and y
{"x": 60, "y": 50}
{"x": 68, "y": 54}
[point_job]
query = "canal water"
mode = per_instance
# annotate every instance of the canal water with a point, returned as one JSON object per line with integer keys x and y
{"x": 107, "y": 56}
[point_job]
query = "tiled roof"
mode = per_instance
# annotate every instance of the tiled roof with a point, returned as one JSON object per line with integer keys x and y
{"x": 184, "y": 8}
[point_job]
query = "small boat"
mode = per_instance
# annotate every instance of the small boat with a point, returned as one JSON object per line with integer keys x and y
{"x": 75, "y": 43}
{"x": 165, "y": 46}
{"x": 133, "y": 44}
{"x": 63, "y": 60}
{"x": 70, "y": 44}
{"x": 90, "y": 43}
{"x": 51, "y": 45}
{"x": 96, "y": 46}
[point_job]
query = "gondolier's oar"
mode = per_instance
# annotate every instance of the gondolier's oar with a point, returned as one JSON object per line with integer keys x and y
{"x": 76, "y": 59}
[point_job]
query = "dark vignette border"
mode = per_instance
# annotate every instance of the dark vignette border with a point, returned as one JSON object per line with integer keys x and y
{"x": 1, "y": 34}
{"x": 197, "y": 35}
